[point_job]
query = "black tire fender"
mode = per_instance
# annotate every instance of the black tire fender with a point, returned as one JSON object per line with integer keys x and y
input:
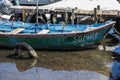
{"x": 18, "y": 49}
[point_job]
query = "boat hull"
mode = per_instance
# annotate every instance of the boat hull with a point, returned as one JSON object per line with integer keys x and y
{"x": 65, "y": 41}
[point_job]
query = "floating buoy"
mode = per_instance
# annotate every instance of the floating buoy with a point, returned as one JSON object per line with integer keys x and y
{"x": 19, "y": 52}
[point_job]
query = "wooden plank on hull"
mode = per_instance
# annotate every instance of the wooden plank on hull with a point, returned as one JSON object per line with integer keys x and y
{"x": 44, "y": 31}
{"x": 16, "y": 31}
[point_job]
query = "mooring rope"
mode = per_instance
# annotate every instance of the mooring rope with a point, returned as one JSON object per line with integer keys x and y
{"x": 116, "y": 31}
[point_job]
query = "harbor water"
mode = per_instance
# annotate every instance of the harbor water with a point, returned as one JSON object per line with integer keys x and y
{"x": 91, "y": 64}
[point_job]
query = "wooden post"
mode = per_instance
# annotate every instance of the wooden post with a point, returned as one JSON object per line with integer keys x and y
{"x": 98, "y": 7}
{"x": 73, "y": 14}
{"x": 95, "y": 15}
{"x": 23, "y": 15}
{"x": 98, "y": 12}
{"x": 66, "y": 17}
{"x": 118, "y": 13}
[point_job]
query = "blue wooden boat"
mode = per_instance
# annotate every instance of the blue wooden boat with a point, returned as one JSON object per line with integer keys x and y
{"x": 53, "y": 36}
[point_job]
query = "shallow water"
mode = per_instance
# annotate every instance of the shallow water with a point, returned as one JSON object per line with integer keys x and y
{"x": 90, "y": 64}
{"x": 10, "y": 72}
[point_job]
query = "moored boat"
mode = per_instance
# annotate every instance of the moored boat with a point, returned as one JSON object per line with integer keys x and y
{"x": 53, "y": 36}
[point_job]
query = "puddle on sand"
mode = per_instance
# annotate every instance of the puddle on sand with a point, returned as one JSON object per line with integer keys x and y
{"x": 57, "y": 65}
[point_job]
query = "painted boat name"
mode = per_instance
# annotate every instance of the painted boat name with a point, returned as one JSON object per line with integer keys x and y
{"x": 85, "y": 37}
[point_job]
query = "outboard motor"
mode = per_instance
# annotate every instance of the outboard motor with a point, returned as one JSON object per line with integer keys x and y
{"x": 5, "y": 6}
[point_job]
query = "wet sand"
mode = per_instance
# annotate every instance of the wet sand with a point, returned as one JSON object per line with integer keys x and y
{"x": 90, "y": 60}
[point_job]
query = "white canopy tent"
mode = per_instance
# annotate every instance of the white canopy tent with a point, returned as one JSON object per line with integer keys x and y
{"x": 79, "y": 4}
{"x": 85, "y": 4}
{"x": 107, "y": 7}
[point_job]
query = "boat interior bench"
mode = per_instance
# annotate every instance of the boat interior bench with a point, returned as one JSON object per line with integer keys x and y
{"x": 16, "y": 31}
{"x": 44, "y": 31}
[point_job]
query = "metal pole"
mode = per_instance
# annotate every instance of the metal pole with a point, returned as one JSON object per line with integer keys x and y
{"x": 37, "y": 12}
{"x": 36, "y": 15}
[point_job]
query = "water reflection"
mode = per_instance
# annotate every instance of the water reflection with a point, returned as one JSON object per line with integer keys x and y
{"x": 57, "y": 65}
{"x": 10, "y": 72}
